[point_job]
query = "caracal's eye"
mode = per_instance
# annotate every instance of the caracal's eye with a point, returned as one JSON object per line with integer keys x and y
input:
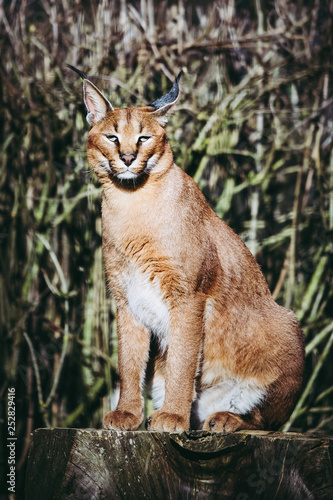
{"x": 143, "y": 138}
{"x": 112, "y": 138}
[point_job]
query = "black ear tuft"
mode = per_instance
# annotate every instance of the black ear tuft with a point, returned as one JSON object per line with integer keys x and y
{"x": 80, "y": 73}
{"x": 169, "y": 98}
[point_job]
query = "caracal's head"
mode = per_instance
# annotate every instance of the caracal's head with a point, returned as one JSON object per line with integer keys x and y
{"x": 127, "y": 145}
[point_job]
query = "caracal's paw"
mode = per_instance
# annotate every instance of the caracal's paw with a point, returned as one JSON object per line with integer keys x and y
{"x": 121, "y": 420}
{"x": 224, "y": 421}
{"x": 169, "y": 422}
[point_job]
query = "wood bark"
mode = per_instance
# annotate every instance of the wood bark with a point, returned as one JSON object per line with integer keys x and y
{"x": 87, "y": 464}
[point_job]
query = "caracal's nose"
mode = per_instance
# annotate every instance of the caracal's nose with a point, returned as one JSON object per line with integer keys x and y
{"x": 128, "y": 158}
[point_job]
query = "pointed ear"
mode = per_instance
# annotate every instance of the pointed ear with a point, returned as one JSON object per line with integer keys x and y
{"x": 96, "y": 103}
{"x": 163, "y": 104}
{"x": 161, "y": 115}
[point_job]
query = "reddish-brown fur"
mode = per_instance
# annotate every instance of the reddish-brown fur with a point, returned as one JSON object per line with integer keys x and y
{"x": 180, "y": 273}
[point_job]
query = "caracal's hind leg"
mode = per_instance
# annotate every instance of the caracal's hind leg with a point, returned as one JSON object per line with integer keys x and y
{"x": 226, "y": 422}
{"x": 269, "y": 414}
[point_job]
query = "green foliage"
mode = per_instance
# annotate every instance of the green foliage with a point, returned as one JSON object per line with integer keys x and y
{"x": 253, "y": 127}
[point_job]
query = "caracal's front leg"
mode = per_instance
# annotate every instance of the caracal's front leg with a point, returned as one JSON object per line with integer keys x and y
{"x": 133, "y": 352}
{"x": 185, "y": 343}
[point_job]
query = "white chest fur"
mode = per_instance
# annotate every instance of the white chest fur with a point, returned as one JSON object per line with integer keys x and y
{"x": 146, "y": 303}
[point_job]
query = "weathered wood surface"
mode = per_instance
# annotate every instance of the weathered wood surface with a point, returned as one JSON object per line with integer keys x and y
{"x": 96, "y": 464}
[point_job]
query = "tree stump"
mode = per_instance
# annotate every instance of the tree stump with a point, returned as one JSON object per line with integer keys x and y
{"x": 85, "y": 464}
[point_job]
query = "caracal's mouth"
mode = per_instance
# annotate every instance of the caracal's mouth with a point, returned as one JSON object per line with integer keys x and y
{"x": 127, "y": 174}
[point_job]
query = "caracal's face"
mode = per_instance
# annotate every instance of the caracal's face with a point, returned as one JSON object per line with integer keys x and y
{"x": 127, "y": 144}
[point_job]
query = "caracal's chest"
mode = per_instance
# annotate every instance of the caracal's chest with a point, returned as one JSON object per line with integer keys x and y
{"x": 146, "y": 303}
{"x": 136, "y": 264}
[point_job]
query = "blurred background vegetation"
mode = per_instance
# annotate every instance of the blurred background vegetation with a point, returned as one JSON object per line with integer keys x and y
{"x": 254, "y": 128}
